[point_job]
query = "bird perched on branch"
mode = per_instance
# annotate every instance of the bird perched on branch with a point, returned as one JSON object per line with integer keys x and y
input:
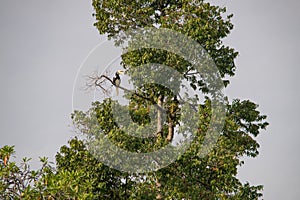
{"x": 117, "y": 80}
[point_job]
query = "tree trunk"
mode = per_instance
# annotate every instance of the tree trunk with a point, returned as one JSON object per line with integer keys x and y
{"x": 159, "y": 116}
{"x": 171, "y": 131}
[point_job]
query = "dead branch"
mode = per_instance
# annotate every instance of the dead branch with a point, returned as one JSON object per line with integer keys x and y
{"x": 100, "y": 82}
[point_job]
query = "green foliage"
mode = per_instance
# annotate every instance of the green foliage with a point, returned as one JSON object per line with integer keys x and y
{"x": 190, "y": 177}
{"x": 199, "y": 20}
{"x": 211, "y": 177}
{"x": 89, "y": 177}
{"x": 80, "y": 175}
{"x": 20, "y": 182}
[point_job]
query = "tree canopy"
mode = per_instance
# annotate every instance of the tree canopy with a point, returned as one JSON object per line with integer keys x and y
{"x": 80, "y": 174}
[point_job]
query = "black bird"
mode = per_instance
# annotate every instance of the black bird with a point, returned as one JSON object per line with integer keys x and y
{"x": 117, "y": 80}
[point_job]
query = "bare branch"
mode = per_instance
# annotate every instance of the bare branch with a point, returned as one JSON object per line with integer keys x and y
{"x": 95, "y": 81}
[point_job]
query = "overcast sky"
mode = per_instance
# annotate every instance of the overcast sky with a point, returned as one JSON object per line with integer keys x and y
{"x": 43, "y": 43}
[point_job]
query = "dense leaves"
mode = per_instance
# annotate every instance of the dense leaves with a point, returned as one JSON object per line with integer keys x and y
{"x": 210, "y": 177}
{"x": 80, "y": 175}
{"x": 20, "y": 182}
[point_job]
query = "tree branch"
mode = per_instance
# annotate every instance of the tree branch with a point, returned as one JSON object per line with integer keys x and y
{"x": 98, "y": 83}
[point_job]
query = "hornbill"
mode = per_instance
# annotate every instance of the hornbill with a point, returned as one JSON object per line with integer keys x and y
{"x": 117, "y": 80}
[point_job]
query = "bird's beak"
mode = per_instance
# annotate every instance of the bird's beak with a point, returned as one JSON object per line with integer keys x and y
{"x": 121, "y": 71}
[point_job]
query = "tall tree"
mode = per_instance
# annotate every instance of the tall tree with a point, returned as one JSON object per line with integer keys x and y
{"x": 190, "y": 176}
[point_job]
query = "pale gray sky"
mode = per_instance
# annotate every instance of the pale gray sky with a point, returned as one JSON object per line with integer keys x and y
{"x": 44, "y": 42}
